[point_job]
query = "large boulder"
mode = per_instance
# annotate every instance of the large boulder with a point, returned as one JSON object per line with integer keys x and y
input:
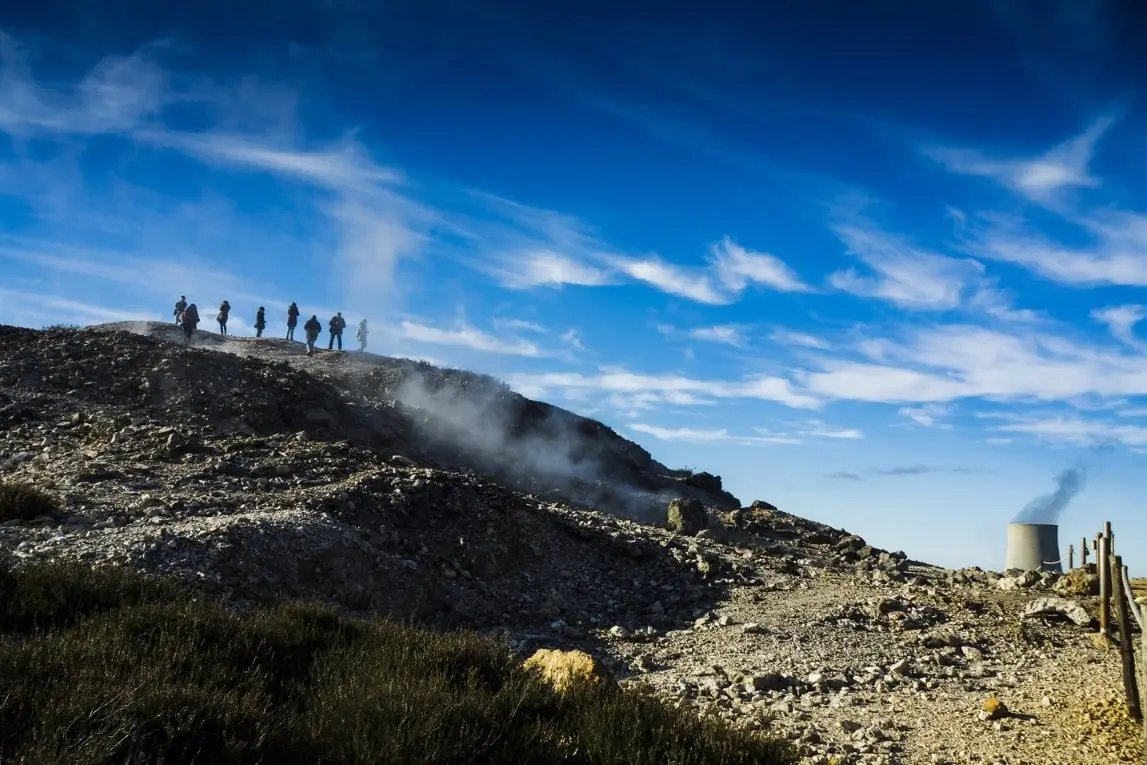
{"x": 564, "y": 668}
{"x": 1058, "y": 606}
{"x": 687, "y": 516}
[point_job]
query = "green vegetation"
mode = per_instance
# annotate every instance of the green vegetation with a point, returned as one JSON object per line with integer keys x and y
{"x": 23, "y": 501}
{"x": 104, "y": 666}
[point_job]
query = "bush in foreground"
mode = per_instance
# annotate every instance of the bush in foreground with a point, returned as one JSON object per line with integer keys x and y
{"x": 101, "y": 667}
{"x": 23, "y": 501}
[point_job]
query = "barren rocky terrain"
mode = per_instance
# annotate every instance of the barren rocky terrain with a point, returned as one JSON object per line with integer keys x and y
{"x": 388, "y": 486}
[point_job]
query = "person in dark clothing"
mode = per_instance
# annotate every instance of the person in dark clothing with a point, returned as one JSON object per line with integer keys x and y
{"x": 224, "y": 312}
{"x": 260, "y": 321}
{"x": 190, "y": 320}
{"x": 337, "y": 325}
{"x": 362, "y": 332}
{"x": 180, "y": 307}
{"x": 312, "y": 328}
{"x": 292, "y": 320}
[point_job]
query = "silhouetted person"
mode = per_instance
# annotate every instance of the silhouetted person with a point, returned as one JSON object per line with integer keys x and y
{"x": 224, "y": 312}
{"x": 362, "y": 333}
{"x": 337, "y": 325}
{"x": 312, "y": 328}
{"x": 292, "y": 320}
{"x": 260, "y": 321}
{"x": 180, "y": 307}
{"x": 189, "y": 319}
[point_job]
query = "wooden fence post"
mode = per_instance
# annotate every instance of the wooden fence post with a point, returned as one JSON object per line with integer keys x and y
{"x": 1140, "y": 614}
{"x": 1103, "y": 564}
{"x": 1122, "y": 594}
{"x": 1070, "y": 557}
{"x": 1083, "y": 553}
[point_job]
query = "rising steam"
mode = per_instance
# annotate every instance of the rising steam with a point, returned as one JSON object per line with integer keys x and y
{"x": 1049, "y": 507}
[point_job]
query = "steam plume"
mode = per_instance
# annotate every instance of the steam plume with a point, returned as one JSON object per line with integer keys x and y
{"x": 1049, "y": 507}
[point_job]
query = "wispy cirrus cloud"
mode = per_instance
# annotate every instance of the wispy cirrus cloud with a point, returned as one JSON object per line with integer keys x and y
{"x": 730, "y": 270}
{"x": 465, "y": 336}
{"x": 663, "y": 387}
{"x": 1070, "y": 429}
{"x": 722, "y": 334}
{"x": 1121, "y": 321}
{"x": 117, "y": 94}
{"x": 803, "y": 339}
{"x": 703, "y": 436}
{"x": 1040, "y": 178}
{"x": 546, "y": 268}
{"x": 928, "y": 415}
{"x": 900, "y": 273}
{"x": 812, "y": 430}
{"x": 737, "y": 268}
{"x": 1115, "y": 254}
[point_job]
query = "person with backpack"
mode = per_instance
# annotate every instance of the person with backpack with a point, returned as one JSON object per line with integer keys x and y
{"x": 180, "y": 307}
{"x": 224, "y": 311}
{"x": 312, "y": 328}
{"x": 362, "y": 332}
{"x": 189, "y": 319}
{"x": 292, "y": 320}
{"x": 260, "y": 322}
{"x": 337, "y": 325}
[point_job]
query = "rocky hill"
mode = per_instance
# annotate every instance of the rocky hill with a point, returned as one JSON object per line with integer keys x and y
{"x": 388, "y": 486}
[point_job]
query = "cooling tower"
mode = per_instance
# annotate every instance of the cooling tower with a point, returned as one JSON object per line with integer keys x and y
{"x": 1034, "y": 547}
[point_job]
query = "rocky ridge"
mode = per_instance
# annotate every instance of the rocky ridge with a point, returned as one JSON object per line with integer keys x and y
{"x": 388, "y": 486}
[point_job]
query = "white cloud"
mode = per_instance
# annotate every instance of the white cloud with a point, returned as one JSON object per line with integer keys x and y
{"x": 736, "y": 268}
{"x": 119, "y": 93}
{"x": 725, "y": 334}
{"x": 665, "y": 386}
{"x": 345, "y": 168}
{"x": 1118, "y": 254}
{"x": 791, "y": 337}
{"x": 692, "y": 284}
{"x": 902, "y": 274}
{"x": 997, "y": 302}
{"x": 572, "y": 338}
{"x": 730, "y": 270}
{"x": 944, "y": 363}
{"x": 1038, "y": 178}
{"x": 519, "y": 324}
{"x": 1121, "y": 321}
{"x": 37, "y": 309}
{"x": 465, "y": 336}
{"x": 1075, "y": 430}
{"x": 546, "y": 268}
{"x": 927, "y": 415}
{"x": 720, "y": 435}
{"x": 818, "y": 429}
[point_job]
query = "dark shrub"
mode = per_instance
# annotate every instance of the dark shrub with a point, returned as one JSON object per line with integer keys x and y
{"x": 23, "y": 501}
{"x": 169, "y": 677}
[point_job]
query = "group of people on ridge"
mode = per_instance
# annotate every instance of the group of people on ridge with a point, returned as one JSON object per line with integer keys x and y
{"x": 187, "y": 317}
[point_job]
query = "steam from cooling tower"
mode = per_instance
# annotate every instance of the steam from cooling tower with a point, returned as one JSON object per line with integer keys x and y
{"x": 1049, "y": 507}
{"x": 1068, "y": 483}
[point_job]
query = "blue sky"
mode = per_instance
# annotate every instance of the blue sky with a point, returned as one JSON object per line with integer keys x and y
{"x": 881, "y": 267}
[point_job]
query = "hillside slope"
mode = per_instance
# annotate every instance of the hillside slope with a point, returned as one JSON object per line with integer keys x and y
{"x": 389, "y": 487}
{"x": 378, "y": 484}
